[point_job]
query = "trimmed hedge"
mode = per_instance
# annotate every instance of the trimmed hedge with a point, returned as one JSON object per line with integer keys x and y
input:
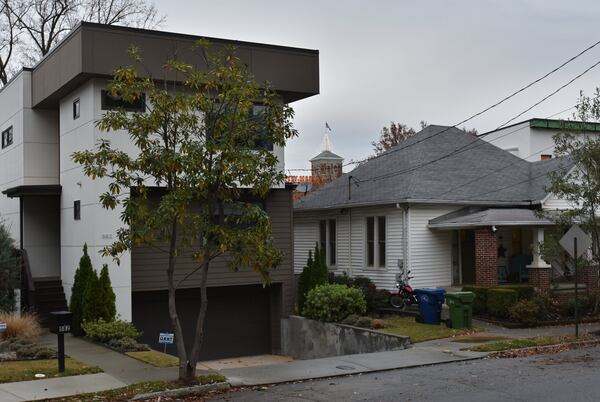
{"x": 524, "y": 292}
{"x": 333, "y": 303}
{"x": 499, "y": 301}
{"x": 480, "y": 302}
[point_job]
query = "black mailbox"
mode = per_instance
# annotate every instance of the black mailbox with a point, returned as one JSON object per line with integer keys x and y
{"x": 60, "y": 322}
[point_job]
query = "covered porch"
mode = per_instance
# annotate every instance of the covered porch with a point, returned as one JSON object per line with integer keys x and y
{"x": 496, "y": 246}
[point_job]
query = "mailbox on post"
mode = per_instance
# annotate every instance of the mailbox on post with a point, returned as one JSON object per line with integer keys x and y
{"x": 60, "y": 324}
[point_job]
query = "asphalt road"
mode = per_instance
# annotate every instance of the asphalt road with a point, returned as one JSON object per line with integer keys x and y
{"x": 569, "y": 376}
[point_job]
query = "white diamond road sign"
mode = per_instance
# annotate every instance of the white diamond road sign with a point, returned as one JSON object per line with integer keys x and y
{"x": 584, "y": 241}
{"x": 2, "y": 326}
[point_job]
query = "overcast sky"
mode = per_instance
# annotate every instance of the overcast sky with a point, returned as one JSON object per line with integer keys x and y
{"x": 407, "y": 61}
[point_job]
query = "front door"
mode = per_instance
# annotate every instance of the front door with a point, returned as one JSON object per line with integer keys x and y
{"x": 467, "y": 246}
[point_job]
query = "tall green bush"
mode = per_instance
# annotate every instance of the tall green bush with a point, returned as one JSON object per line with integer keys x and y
{"x": 8, "y": 270}
{"x": 106, "y": 297}
{"x": 480, "y": 302}
{"x": 76, "y": 303}
{"x": 91, "y": 295}
{"x": 499, "y": 301}
{"x": 314, "y": 274}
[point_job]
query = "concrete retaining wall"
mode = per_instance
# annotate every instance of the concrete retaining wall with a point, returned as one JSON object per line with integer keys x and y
{"x": 308, "y": 339}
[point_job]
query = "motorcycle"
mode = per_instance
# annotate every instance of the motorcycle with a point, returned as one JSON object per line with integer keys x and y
{"x": 405, "y": 295}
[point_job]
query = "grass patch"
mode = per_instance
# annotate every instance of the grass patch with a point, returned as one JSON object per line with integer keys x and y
{"x": 155, "y": 358}
{"x": 480, "y": 339}
{"x": 128, "y": 392}
{"x": 25, "y": 370}
{"x": 521, "y": 343}
{"x": 422, "y": 332}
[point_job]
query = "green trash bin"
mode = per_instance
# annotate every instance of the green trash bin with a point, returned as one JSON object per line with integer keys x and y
{"x": 461, "y": 309}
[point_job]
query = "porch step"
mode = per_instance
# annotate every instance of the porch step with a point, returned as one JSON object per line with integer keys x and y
{"x": 49, "y": 297}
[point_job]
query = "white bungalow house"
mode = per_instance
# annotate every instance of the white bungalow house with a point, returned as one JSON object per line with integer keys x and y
{"x": 451, "y": 207}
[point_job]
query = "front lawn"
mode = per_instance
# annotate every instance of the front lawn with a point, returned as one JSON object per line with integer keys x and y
{"x": 523, "y": 343}
{"x": 407, "y": 326}
{"x": 155, "y": 358}
{"x": 25, "y": 370}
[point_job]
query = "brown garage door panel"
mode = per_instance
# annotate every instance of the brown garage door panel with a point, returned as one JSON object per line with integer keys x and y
{"x": 237, "y": 322}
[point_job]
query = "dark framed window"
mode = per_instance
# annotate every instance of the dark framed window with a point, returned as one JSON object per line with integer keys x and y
{"x": 110, "y": 102}
{"x": 261, "y": 140}
{"x": 7, "y": 137}
{"x": 76, "y": 109}
{"x": 370, "y": 241}
{"x": 381, "y": 241}
{"x": 77, "y": 210}
{"x": 332, "y": 239}
{"x": 323, "y": 234}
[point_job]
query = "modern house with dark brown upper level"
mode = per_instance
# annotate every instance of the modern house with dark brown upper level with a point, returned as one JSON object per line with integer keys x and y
{"x": 50, "y": 111}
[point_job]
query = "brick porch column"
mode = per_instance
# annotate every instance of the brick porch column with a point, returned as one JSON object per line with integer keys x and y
{"x": 588, "y": 275}
{"x": 539, "y": 270}
{"x": 486, "y": 257}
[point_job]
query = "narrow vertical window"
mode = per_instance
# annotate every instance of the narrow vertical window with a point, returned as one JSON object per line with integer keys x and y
{"x": 76, "y": 109}
{"x": 332, "y": 237}
{"x": 370, "y": 241}
{"x": 77, "y": 210}
{"x": 7, "y": 137}
{"x": 381, "y": 240}
{"x": 323, "y": 234}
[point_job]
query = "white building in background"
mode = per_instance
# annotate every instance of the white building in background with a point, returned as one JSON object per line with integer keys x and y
{"x": 532, "y": 139}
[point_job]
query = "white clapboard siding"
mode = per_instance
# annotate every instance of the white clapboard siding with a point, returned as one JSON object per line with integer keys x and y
{"x": 555, "y": 203}
{"x": 382, "y": 277}
{"x": 430, "y": 253}
{"x": 306, "y": 233}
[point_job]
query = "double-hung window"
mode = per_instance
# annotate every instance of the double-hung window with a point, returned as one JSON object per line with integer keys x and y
{"x": 7, "y": 137}
{"x": 375, "y": 241}
{"x": 328, "y": 240}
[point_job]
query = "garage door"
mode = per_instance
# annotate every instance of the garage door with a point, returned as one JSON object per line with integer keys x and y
{"x": 237, "y": 321}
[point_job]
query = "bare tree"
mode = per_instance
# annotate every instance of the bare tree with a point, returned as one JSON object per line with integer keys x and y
{"x": 392, "y": 136}
{"x": 44, "y": 21}
{"x": 9, "y": 34}
{"x": 135, "y": 13}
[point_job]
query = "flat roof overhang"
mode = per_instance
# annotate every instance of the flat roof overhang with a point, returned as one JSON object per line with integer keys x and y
{"x": 469, "y": 219}
{"x": 95, "y": 50}
{"x": 33, "y": 191}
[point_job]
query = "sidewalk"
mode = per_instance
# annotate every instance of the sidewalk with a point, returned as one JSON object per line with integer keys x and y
{"x": 491, "y": 329}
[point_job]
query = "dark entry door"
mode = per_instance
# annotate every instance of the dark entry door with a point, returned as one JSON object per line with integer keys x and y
{"x": 237, "y": 321}
{"x": 467, "y": 246}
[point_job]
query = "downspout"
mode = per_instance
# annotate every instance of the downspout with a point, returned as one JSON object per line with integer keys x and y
{"x": 349, "y": 270}
{"x": 405, "y": 236}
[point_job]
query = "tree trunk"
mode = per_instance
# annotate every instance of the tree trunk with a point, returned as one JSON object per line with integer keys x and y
{"x": 179, "y": 341}
{"x": 199, "y": 330}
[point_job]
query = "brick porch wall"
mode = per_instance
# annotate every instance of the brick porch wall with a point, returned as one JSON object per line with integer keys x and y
{"x": 486, "y": 257}
{"x": 539, "y": 278}
{"x": 588, "y": 276}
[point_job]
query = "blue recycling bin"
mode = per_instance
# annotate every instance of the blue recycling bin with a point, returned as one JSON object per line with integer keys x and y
{"x": 430, "y": 304}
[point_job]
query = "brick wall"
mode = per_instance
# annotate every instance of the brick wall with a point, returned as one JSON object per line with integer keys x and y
{"x": 486, "y": 257}
{"x": 539, "y": 278}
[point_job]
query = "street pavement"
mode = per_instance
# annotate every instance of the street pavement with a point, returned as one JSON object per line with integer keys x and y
{"x": 569, "y": 376}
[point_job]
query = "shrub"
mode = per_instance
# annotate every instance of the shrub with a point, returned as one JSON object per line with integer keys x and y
{"x": 106, "y": 297}
{"x": 102, "y": 331}
{"x": 376, "y": 298}
{"x": 499, "y": 301}
{"x": 8, "y": 270}
{"x": 567, "y": 307}
{"x": 480, "y": 302}
{"x": 343, "y": 279}
{"x": 127, "y": 344}
{"x": 363, "y": 322}
{"x": 524, "y": 292}
{"x": 350, "y": 320}
{"x": 333, "y": 303}
{"x": 91, "y": 295}
{"x": 76, "y": 304}
{"x": 525, "y": 311}
{"x": 26, "y": 349}
{"x": 25, "y": 327}
{"x": 314, "y": 274}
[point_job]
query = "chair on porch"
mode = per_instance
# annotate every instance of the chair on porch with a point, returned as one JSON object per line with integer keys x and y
{"x": 518, "y": 266}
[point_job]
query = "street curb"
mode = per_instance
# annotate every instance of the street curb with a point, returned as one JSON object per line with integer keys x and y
{"x": 181, "y": 392}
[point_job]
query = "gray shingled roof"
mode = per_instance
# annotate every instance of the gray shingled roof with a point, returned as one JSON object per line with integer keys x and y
{"x": 327, "y": 155}
{"x": 438, "y": 165}
{"x": 468, "y": 217}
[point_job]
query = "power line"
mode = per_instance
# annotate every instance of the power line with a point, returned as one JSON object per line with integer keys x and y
{"x": 551, "y": 94}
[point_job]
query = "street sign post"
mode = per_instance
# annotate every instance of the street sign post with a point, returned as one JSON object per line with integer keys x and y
{"x": 166, "y": 338}
{"x": 576, "y": 242}
{"x": 3, "y": 327}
